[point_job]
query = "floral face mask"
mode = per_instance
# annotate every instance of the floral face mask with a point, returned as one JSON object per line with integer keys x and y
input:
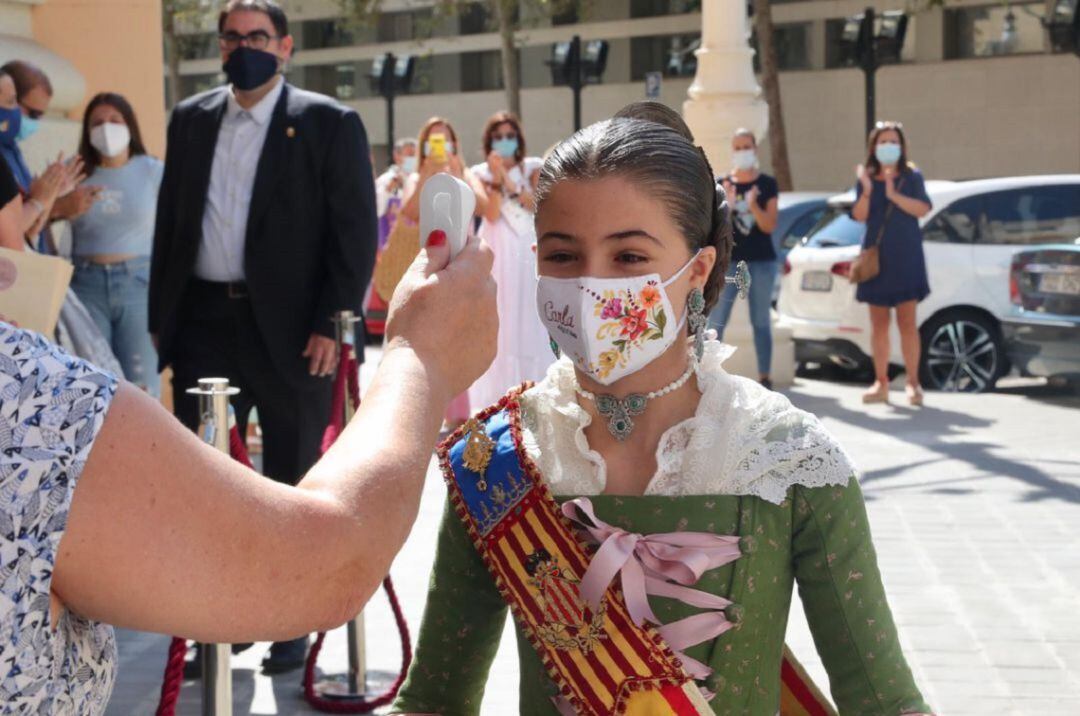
{"x": 610, "y": 327}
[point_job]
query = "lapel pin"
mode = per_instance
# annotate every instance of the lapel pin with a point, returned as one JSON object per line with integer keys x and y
{"x": 290, "y": 132}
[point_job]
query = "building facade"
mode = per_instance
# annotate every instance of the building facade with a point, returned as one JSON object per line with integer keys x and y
{"x": 86, "y": 47}
{"x": 978, "y": 89}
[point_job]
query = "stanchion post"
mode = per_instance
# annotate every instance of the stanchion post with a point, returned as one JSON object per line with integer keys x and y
{"x": 345, "y": 330}
{"x": 214, "y": 396}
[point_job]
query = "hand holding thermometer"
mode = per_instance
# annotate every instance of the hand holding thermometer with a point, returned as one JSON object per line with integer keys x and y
{"x": 447, "y": 205}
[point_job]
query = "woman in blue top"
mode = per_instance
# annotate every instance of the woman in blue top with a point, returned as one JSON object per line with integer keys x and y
{"x": 111, "y": 242}
{"x": 753, "y": 196}
{"x": 890, "y": 199}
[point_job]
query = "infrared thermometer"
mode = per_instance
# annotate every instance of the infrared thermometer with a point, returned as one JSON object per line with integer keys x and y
{"x": 446, "y": 204}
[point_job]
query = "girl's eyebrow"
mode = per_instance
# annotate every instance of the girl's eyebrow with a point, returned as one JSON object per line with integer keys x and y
{"x": 557, "y": 236}
{"x": 618, "y": 235}
{"x": 632, "y": 233}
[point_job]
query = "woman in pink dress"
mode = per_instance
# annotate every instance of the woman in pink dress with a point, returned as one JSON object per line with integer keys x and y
{"x": 509, "y": 178}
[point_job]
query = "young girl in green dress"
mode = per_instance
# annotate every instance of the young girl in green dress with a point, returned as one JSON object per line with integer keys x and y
{"x": 640, "y": 417}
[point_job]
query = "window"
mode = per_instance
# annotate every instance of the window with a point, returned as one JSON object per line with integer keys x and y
{"x": 193, "y": 84}
{"x": 836, "y": 228}
{"x": 318, "y": 34}
{"x": 792, "y": 47}
{"x": 801, "y": 227}
{"x": 474, "y": 19}
{"x": 1032, "y": 215}
{"x": 481, "y": 71}
{"x": 671, "y": 54}
{"x": 834, "y": 31}
{"x": 565, "y": 16}
{"x": 654, "y": 8}
{"x": 1000, "y": 29}
{"x": 203, "y": 46}
{"x": 423, "y": 76}
{"x": 404, "y": 26}
{"x": 958, "y": 223}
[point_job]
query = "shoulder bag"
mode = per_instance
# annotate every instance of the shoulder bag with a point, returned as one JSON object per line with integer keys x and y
{"x": 867, "y": 264}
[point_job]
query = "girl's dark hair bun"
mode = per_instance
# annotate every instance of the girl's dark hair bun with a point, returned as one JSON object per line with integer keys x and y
{"x": 651, "y": 143}
{"x": 659, "y": 113}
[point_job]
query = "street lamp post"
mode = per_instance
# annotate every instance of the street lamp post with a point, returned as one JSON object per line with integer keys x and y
{"x": 576, "y": 64}
{"x": 390, "y": 76}
{"x": 870, "y": 40}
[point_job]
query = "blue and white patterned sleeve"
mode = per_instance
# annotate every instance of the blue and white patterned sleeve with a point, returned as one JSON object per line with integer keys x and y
{"x": 52, "y": 407}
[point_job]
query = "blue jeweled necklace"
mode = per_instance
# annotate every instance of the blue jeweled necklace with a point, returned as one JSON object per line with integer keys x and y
{"x": 620, "y": 412}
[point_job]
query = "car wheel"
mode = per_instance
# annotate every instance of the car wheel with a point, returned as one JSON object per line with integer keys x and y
{"x": 962, "y": 351}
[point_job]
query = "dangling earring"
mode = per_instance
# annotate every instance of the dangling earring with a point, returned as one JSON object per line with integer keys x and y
{"x": 554, "y": 348}
{"x": 695, "y": 303}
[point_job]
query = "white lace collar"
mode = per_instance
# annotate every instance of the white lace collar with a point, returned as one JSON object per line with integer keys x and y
{"x": 743, "y": 439}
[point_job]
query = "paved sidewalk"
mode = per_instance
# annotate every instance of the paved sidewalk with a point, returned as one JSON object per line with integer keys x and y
{"x": 975, "y": 508}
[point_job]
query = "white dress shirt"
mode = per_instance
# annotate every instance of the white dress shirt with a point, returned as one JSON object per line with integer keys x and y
{"x": 232, "y": 178}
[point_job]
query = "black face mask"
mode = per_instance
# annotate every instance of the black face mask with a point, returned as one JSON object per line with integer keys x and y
{"x": 247, "y": 68}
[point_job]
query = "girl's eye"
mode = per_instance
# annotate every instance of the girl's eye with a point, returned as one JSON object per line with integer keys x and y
{"x": 631, "y": 258}
{"x": 559, "y": 257}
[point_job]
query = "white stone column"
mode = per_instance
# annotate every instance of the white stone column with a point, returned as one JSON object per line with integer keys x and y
{"x": 725, "y": 95}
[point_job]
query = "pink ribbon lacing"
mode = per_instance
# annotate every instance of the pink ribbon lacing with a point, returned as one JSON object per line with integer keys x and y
{"x": 661, "y": 565}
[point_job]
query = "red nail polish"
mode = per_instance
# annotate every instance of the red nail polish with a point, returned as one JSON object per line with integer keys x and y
{"x": 436, "y": 238}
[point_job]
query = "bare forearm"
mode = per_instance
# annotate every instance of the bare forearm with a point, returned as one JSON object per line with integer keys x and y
{"x": 494, "y": 206}
{"x": 861, "y": 210}
{"x": 766, "y": 220}
{"x": 10, "y": 225}
{"x": 376, "y": 469}
{"x": 32, "y": 211}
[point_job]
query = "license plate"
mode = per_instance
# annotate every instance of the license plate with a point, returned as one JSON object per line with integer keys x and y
{"x": 1060, "y": 283}
{"x": 817, "y": 281}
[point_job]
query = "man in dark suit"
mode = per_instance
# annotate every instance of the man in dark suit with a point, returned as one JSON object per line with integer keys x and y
{"x": 266, "y": 227}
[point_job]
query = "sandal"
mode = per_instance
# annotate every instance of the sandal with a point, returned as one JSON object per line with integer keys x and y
{"x": 877, "y": 395}
{"x": 914, "y": 395}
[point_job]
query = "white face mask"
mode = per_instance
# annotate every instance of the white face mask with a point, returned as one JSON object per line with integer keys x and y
{"x": 111, "y": 139}
{"x": 610, "y": 327}
{"x": 744, "y": 158}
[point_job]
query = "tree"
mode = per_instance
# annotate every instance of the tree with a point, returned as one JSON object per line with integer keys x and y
{"x": 504, "y": 16}
{"x": 176, "y": 17}
{"x": 770, "y": 84}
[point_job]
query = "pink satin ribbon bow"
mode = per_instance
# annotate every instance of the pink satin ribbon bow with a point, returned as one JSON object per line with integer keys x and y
{"x": 661, "y": 565}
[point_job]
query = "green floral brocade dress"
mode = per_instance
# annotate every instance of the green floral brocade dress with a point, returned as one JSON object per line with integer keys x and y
{"x": 747, "y": 464}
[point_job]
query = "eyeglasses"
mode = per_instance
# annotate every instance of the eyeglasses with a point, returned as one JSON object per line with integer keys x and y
{"x": 888, "y": 125}
{"x": 256, "y": 40}
{"x": 32, "y": 113}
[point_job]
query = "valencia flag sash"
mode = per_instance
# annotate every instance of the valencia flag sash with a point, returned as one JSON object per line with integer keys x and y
{"x": 602, "y": 662}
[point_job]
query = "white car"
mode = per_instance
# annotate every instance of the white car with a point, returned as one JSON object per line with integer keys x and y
{"x": 969, "y": 239}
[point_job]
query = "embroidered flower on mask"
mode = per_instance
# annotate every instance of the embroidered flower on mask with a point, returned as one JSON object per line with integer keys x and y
{"x": 613, "y": 309}
{"x": 650, "y": 296}
{"x": 634, "y": 323}
{"x": 608, "y": 361}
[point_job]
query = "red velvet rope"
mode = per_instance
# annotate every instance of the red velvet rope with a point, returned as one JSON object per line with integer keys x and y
{"x": 174, "y": 665}
{"x": 347, "y": 380}
{"x": 174, "y": 677}
{"x": 348, "y": 376}
{"x": 360, "y": 706}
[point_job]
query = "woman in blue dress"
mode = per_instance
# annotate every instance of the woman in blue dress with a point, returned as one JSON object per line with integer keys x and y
{"x": 891, "y": 198}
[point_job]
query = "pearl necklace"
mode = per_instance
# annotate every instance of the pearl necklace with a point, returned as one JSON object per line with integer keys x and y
{"x": 620, "y": 411}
